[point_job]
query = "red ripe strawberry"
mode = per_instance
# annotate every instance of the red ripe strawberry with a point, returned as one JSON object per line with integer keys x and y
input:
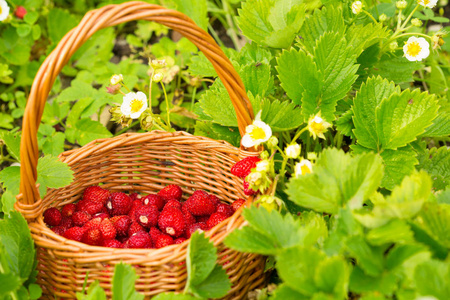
{"x": 66, "y": 222}
{"x": 134, "y": 228}
{"x": 80, "y": 218}
{"x": 199, "y": 204}
{"x": 101, "y": 215}
{"x": 20, "y": 12}
{"x": 154, "y": 200}
{"x": 135, "y": 196}
{"x": 68, "y": 210}
{"x": 107, "y": 230}
{"x": 121, "y": 223}
{"x": 90, "y": 207}
{"x": 75, "y": 233}
{"x": 96, "y": 193}
{"x": 52, "y": 216}
{"x": 188, "y": 217}
{"x": 173, "y": 203}
{"x": 247, "y": 190}
{"x": 139, "y": 240}
{"x": 214, "y": 199}
{"x": 200, "y": 226}
{"x": 179, "y": 240}
{"x": 118, "y": 204}
{"x": 147, "y": 216}
{"x": 225, "y": 209}
{"x": 201, "y": 219}
{"x": 112, "y": 244}
{"x": 59, "y": 230}
{"x": 92, "y": 237}
{"x": 163, "y": 240}
{"x": 135, "y": 205}
{"x": 243, "y": 167}
{"x": 171, "y": 221}
{"x": 93, "y": 223}
{"x": 154, "y": 233}
{"x": 171, "y": 191}
{"x": 215, "y": 219}
{"x": 238, "y": 203}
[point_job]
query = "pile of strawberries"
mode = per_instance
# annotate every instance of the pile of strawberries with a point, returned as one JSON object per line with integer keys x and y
{"x": 118, "y": 220}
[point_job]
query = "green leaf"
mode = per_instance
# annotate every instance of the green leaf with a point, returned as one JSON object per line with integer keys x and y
{"x": 284, "y": 292}
{"x": 369, "y": 258}
{"x": 360, "y": 282}
{"x": 16, "y": 240}
{"x": 432, "y": 278}
{"x": 216, "y": 104}
{"x": 297, "y": 267}
{"x": 10, "y": 178}
{"x": 31, "y": 17}
{"x": 12, "y": 141}
{"x": 87, "y": 130}
{"x": 123, "y": 283}
{"x": 397, "y": 164}
{"x": 6, "y": 121}
{"x": 360, "y": 36}
{"x": 367, "y": 99}
{"x": 400, "y": 253}
{"x": 23, "y": 30}
{"x": 200, "y": 260}
{"x": 35, "y": 291}
{"x": 441, "y": 125}
{"x": 248, "y": 239}
{"x": 7, "y": 201}
{"x": 328, "y": 188}
{"x": 396, "y": 231}
{"x": 272, "y": 23}
{"x": 52, "y": 173}
{"x": 78, "y": 90}
{"x": 281, "y": 116}
{"x": 218, "y": 132}
{"x": 54, "y": 145}
{"x": 200, "y": 65}
{"x": 15, "y": 50}
{"x": 10, "y": 283}
{"x": 59, "y": 22}
{"x": 434, "y": 218}
{"x": 216, "y": 285}
{"x": 332, "y": 276}
{"x": 94, "y": 292}
{"x": 402, "y": 117}
{"x": 195, "y": 9}
{"x": 437, "y": 163}
{"x": 257, "y": 78}
{"x": 173, "y": 296}
{"x": 396, "y": 68}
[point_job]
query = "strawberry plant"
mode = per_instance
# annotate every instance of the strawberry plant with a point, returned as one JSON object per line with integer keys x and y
{"x": 351, "y": 104}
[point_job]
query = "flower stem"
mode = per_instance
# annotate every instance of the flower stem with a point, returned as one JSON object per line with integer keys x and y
{"x": 123, "y": 84}
{"x": 167, "y": 104}
{"x": 297, "y": 135}
{"x": 409, "y": 17}
{"x": 414, "y": 33}
{"x": 370, "y": 16}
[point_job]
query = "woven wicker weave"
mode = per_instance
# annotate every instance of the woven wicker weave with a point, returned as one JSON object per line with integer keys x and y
{"x": 145, "y": 163}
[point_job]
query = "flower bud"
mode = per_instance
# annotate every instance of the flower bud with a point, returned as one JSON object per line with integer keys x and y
{"x": 113, "y": 89}
{"x": 158, "y": 63}
{"x": 262, "y": 166}
{"x": 393, "y": 46}
{"x": 357, "y": 7}
{"x": 264, "y": 155}
{"x": 272, "y": 142}
{"x": 116, "y": 79}
{"x": 382, "y": 18}
{"x": 416, "y": 22}
{"x": 146, "y": 120}
{"x": 401, "y": 4}
{"x": 293, "y": 151}
{"x": 157, "y": 77}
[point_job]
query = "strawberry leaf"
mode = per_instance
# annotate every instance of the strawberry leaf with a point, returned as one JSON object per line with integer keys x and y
{"x": 123, "y": 283}
{"x": 52, "y": 173}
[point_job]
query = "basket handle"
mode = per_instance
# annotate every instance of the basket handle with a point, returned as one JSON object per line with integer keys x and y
{"x": 93, "y": 21}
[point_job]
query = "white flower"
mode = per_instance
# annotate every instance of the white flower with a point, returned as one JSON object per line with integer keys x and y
{"x": 303, "y": 167}
{"x": 357, "y": 7}
{"x": 262, "y": 166}
{"x": 116, "y": 78}
{"x": 416, "y": 49}
{"x": 317, "y": 126}
{"x": 4, "y": 10}
{"x": 134, "y": 104}
{"x": 256, "y": 133}
{"x": 428, "y": 3}
{"x": 292, "y": 151}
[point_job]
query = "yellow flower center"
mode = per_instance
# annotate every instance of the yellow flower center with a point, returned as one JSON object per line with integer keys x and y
{"x": 1, "y": 9}
{"x": 425, "y": 2}
{"x": 305, "y": 169}
{"x": 413, "y": 49}
{"x": 136, "y": 105}
{"x": 257, "y": 133}
{"x": 317, "y": 127}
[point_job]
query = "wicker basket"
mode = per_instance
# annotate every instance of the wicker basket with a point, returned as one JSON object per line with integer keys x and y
{"x": 142, "y": 162}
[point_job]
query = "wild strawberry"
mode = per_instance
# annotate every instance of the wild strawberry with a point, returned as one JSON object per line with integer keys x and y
{"x": 243, "y": 167}
{"x": 173, "y": 203}
{"x": 112, "y": 244}
{"x": 107, "y": 230}
{"x": 90, "y": 207}
{"x": 200, "y": 226}
{"x": 247, "y": 190}
{"x": 118, "y": 204}
{"x": 135, "y": 205}
{"x": 188, "y": 217}
{"x": 202, "y": 219}
{"x": 179, "y": 240}
{"x": 134, "y": 228}
{"x": 93, "y": 223}
{"x": 135, "y": 196}
{"x": 171, "y": 221}
{"x": 215, "y": 219}
{"x": 121, "y": 223}
{"x": 171, "y": 191}
{"x": 163, "y": 240}
{"x": 147, "y": 216}
{"x": 75, "y": 233}
{"x": 80, "y": 218}
{"x": 154, "y": 233}
{"x": 68, "y": 210}
{"x": 225, "y": 209}
{"x": 52, "y": 216}
{"x": 92, "y": 237}
{"x": 59, "y": 230}
{"x": 199, "y": 204}
{"x": 238, "y": 203}
{"x": 101, "y": 215}
{"x": 20, "y": 12}
{"x": 156, "y": 200}
{"x": 66, "y": 222}
{"x": 139, "y": 240}
{"x": 96, "y": 193}
{"x": 214, "y": 199}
